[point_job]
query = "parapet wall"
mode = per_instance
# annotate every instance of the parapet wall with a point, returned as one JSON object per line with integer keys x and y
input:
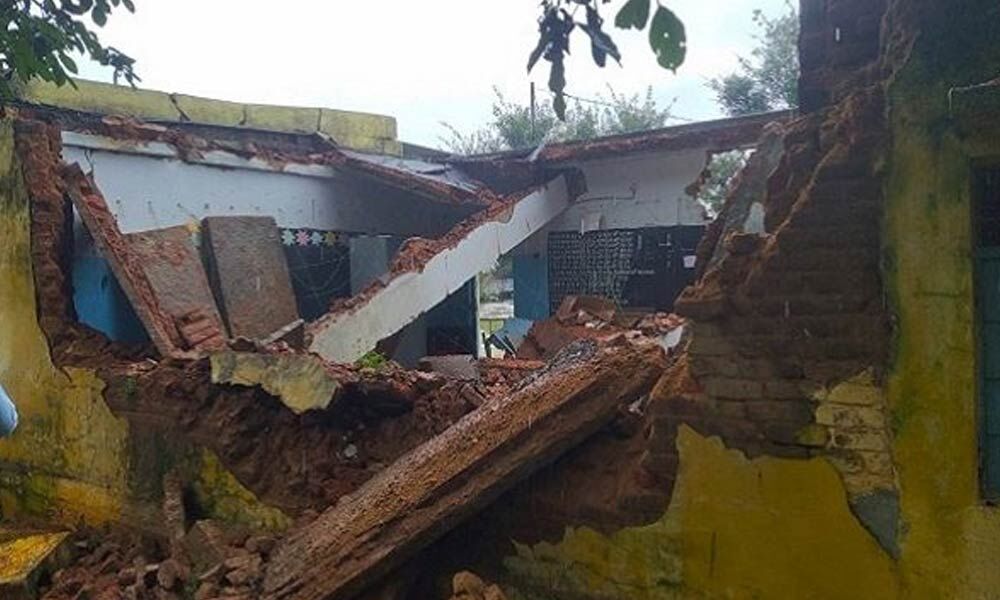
{"x": 359, "y": 131}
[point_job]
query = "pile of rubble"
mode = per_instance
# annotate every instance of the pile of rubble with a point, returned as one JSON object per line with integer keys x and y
{"x": 396, "y": 508}
{"x": 592, "y": 317}
{"x": 208, "y": 562}
{"x": 376, "y": 464}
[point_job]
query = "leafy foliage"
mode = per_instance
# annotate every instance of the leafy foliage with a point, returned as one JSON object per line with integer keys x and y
{"x": 667, "y": 38}
{"x": 512, "y": 126}
{"x": 372, "y": 360}
{"x": 39, "y": 36}
{"x": 768, "y": 79}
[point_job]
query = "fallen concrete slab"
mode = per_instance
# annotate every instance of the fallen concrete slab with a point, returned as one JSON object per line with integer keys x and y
{"x": 301, "y": 381}
{"x": 249, "y": 275}
{"x": 429, "y": 491}
{"x": 125, "y": 264}
{"x": 175, "y": 271}
{"x": 348, "y": 333}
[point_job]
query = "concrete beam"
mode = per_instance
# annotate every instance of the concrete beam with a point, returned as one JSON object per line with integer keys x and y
{"x": 346, "y": 335}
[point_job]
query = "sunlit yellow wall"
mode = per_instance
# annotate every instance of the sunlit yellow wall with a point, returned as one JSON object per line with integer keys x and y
{"x": 71, "y": 460}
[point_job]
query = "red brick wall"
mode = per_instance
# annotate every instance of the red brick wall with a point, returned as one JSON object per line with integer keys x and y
{"x": 838, "y": 48}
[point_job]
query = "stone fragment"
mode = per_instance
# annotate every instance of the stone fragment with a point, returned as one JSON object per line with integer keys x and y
{"x": 494, "y": 593}
{"x": 243, "y": 570}
{"x": 459, "y": 366}
{"x": 260, "y": 544}
{"x": 467, "y": 583}
{"x": 24, "y": 560}
{"x": 301, "y": 381}
{"x": 171, "y": 574}
{"x": 249, "y": 275}
{"x": 205, "y": 545}
{"x": 206, "y": 591}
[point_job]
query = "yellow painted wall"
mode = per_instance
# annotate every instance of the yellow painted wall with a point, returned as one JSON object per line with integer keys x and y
{"x": 360, "y": 131}
{"x": 736, "y": 528}
{"x": 951, "y": 547}
{"x": 71, "y": 460}
{"x": 67, "y": 460}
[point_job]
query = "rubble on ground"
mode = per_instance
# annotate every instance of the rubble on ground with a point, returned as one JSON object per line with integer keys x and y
{"x": 590, "y": 317}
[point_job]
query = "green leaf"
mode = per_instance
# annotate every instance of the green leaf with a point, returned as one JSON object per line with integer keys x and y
{"x": 668, "y": 39}
{"x": 129, "y": 5}
{"x": 634, "y": 14}
{"x": 69, "y": 63}
{"x": 100, "y": 16}
{"x": 601, "y": 46}
{"x": 77, "y": 7}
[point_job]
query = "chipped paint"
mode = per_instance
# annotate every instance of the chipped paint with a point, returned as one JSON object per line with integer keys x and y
{"x": 735, "y": 528}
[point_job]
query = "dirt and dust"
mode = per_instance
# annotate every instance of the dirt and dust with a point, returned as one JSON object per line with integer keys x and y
{"x": 206, "y": 562}
{"x": 294, "y": 462}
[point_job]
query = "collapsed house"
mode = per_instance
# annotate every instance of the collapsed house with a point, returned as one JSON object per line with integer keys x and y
{"x": 828, "y": 411}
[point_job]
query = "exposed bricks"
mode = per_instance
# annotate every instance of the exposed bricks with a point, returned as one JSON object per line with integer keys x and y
{"x": 838, "y": 48}
{"x": 38, "y": 149}
{"x": 126, "y": 265}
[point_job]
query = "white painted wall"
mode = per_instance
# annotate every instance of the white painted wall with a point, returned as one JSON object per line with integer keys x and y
{"x": 637, "y": 191}
{"x": 148, "y": 187}
{"x": 631, "y": 193}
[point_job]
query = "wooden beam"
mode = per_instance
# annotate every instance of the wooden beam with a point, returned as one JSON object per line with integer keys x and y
{"x": 428, "y": 492}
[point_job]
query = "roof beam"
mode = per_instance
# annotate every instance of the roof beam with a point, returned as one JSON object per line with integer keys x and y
{"x": 474, "y": 246}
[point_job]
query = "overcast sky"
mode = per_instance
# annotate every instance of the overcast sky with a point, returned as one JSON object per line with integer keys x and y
{"x": 423, "y": 62}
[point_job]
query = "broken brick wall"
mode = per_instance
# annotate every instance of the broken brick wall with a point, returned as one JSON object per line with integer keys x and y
{"x": 104, "y": 423}
{"x": 838, "y": 49}
{"x": 787, "y": 348}
{"x": 832, "y": 359}
{"x": 73, "y": 459}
